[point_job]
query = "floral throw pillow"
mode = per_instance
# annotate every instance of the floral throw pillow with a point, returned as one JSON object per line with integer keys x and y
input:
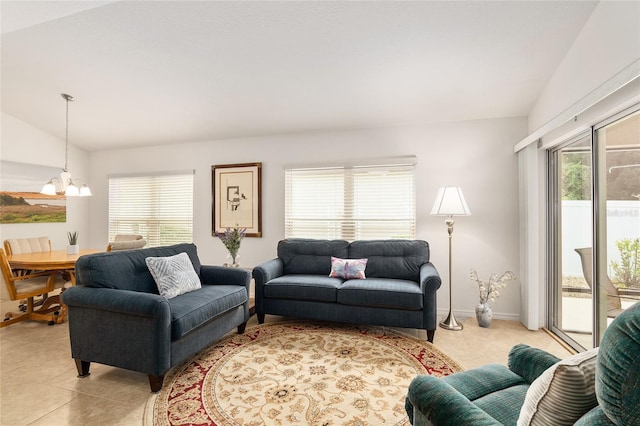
{"x": 350, "y": 269}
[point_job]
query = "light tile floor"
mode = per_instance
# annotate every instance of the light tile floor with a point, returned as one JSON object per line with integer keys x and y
{"x": 38, "y": 383}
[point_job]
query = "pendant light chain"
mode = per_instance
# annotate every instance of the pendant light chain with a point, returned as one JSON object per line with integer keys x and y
{"x": 66, "y": 139}
{"x": 68, "y": 186}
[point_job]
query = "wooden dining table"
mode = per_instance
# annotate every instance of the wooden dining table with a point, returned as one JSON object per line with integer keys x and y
{"x": 55, "y": 260}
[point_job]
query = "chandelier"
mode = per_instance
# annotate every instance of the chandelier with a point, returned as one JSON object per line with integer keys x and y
{"x": 66, "y": 183}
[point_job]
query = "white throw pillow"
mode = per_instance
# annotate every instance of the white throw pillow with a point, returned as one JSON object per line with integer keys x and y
{"x": 174, "y": 275}
{"x": 563, "y": 393}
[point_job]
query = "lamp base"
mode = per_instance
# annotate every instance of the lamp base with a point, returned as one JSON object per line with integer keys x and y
{"x": 450, "y": 323}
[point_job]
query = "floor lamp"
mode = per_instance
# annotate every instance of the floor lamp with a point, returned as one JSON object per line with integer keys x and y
{"x": 450, "y": 202}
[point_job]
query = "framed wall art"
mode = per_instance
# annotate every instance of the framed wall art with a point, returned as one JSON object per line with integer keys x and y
{"x": 237, "y": 197}
{"x": 20, "y": 197}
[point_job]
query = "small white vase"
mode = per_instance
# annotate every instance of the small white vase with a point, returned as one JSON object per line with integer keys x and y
{"x": 74, "y": 249}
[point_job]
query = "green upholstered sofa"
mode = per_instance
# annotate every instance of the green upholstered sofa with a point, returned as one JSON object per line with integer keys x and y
{"x": 495, "y": 394}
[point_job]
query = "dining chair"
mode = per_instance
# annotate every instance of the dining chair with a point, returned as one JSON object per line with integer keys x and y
{"x": 31, "y": 245}
{"x": 28, "y": 285}
{"x": 126, "y": 242}
{"x": 27, "y": 245}
{"x": 614, "y": 303}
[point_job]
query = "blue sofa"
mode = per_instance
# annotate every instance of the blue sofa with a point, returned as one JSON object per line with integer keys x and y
{"x": 118, "y": 318}
{"x": 399, "y": 289}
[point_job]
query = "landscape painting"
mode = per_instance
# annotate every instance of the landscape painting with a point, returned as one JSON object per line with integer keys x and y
{"x": 20, "y": 198}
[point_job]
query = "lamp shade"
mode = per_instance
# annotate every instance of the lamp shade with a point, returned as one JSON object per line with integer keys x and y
{"x": 85, "y": 191}
{"x": 49, "y": 188}
{"x": 450, "y": 202}
{"x": 72, "y": 190}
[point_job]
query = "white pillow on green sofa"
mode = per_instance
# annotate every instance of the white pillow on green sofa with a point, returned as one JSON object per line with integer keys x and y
{"x": 563, "y": 393}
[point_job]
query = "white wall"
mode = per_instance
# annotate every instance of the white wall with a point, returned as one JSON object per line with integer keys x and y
{"x": 21, "y": 142}
{"x": 475, "y": 155}
{"x": 609, "y": 41}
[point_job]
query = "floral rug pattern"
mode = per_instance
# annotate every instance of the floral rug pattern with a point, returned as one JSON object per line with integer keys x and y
{"x": 298, "y": 373}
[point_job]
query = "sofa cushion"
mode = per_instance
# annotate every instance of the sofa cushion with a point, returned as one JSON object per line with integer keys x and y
{"x": 351, "y": 269}
{"x": 594, "y": 417}
{"x": 563, "y": 393}
{"x": 382, "y": 293}
{"x": 174, "y": 275}
{"x": 303, "y": 287}
{"x": 127, "y": 270}
{"x": 308, "y": 256}
{"x": 479, "y": 382}
{"x": 191, "y": 310}
{"x": 399, "y": 259}
{"x": 503, "y": 405}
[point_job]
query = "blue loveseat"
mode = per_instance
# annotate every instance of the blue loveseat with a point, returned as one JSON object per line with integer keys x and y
{"x": 118, "y": 318}
{"x": 399, "y": 289}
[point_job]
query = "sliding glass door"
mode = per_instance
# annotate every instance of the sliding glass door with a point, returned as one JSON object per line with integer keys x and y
{"x": 617, "y": 227}
{"x": 594, "y": 223}
{"x": 571, "y": 222}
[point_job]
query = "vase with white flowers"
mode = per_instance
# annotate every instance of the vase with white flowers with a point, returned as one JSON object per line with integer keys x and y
{"x": 231, "y": 238}
{"x": 489, "y": 292}
{"x": 73, "y": 247}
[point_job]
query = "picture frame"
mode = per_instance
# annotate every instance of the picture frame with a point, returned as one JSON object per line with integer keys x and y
{"x": 22, "y": 202}
{"x": 237, "y": 198}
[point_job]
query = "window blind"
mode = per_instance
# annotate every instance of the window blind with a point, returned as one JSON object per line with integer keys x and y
{"x": 158, "y": 207}
{"x": 351, "y": 202}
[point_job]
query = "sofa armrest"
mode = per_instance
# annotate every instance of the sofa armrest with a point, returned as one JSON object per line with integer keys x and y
{"x": 429, "y": 278}
{"x": 122, "y": 328}
{"x": 429, "y": 284}
{"x": 213, "y": 275}
{"x": 116, "y": 300}
{"x": 225, "y": 275}
{"x": 443, "y": 405}
{"x": 267, "y": 271}
{"x": 528, "y": 362}
{"x": 262, "y": 274}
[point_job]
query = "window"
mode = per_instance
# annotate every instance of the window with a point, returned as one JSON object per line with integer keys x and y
{"x": 355, "y": 202}
{"x": 158, "y": 207}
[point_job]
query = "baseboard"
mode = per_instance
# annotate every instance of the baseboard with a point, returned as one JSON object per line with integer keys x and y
{"x": 463, "y": 314}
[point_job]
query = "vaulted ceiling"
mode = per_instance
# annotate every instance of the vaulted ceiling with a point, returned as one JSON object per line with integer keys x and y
{"x": 148, "y": 73}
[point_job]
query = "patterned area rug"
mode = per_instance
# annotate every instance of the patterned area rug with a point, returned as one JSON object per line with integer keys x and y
{"x": 298, "y": 373}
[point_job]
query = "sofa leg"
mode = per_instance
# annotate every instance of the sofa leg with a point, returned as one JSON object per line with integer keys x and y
{"x": 83, "y": 368}
{"x": 242, "y": 327}
{"x": 260, "y": 318}
{"x": 430, "y": 334}
{"x": 156, "y": 382}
